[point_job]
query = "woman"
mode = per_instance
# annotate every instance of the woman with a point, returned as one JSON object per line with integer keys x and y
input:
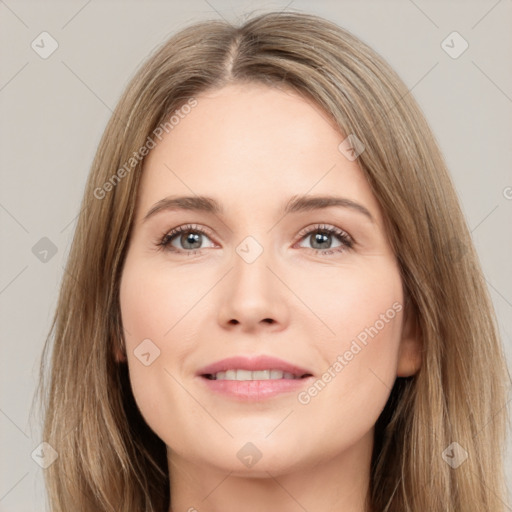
{"x": 326, "y": 342}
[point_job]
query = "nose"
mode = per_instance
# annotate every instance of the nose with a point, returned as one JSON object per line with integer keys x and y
{"x": 252, "y": 296}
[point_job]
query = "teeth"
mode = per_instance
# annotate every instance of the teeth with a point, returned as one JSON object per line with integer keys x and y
{"x": 256, "y": 375}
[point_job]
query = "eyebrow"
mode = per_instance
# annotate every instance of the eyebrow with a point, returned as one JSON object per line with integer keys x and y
{"x": 295, "y": 204}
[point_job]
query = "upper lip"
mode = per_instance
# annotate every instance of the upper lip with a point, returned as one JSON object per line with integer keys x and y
{"x": 253, "y": 363}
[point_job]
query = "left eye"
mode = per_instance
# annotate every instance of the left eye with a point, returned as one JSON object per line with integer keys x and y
{"x": 321, "y": 236}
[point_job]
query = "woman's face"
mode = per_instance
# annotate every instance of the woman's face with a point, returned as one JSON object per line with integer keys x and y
{"x": 316, "y": 287}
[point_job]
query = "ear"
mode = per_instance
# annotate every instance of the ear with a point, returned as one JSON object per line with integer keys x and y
{"x": 119, "y": 350}
{"x": 411, "y": 345}
{"x": 119, "y": 355}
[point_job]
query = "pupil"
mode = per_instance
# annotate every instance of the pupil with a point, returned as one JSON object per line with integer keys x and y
{"x": 321, "y": 238}
{"x": 191, "y": 238}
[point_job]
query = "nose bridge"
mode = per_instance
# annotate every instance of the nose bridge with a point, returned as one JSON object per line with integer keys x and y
{"x": 252, "y": 248}
{"x": 252, "y": 293}
{"x": 251, "y": 259}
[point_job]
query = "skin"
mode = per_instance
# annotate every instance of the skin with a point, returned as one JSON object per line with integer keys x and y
{"x": 252, "y": 147}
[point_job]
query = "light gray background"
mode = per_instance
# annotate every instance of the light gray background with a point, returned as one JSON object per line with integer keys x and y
{"x": 53, "y": 112}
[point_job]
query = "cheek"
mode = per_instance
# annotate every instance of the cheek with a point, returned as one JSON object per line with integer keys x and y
{"x": 366, "y": 315}
{"x": 370, "y": 325}
{"x": 149, "y": 310}
{"x": 153, "y": 301}
{"x": 362, "y": 302}
{"x": 145, "y": 309}
{"x": 371, "y": 318}
{"x": 159, "y": 312}
{"x": 364, "y": 311}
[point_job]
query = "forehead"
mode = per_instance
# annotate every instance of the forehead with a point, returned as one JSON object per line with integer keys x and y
{"x": 245, "y": 143}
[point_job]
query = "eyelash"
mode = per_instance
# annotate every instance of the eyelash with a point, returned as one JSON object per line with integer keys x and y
{"x": 163, "y": 243}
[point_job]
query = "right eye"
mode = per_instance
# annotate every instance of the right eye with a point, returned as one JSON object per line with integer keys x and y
{"x": 190, "y": 237}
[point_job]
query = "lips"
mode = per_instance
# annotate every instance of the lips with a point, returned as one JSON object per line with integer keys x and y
{"x": 257, "y": 363}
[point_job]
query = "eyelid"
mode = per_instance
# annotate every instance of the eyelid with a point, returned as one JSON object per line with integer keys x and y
{"x": 172, "y": 233}
{"x": 324, "y": 227}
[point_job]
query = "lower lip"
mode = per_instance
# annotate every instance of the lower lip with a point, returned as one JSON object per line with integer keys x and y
{"x": 255, "y": 390}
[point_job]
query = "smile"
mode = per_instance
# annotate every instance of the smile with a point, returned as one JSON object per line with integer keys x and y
{"x": 239, "y": 374}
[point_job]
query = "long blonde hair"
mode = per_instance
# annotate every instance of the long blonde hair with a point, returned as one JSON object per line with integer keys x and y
{"x": 109, "y": 459}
